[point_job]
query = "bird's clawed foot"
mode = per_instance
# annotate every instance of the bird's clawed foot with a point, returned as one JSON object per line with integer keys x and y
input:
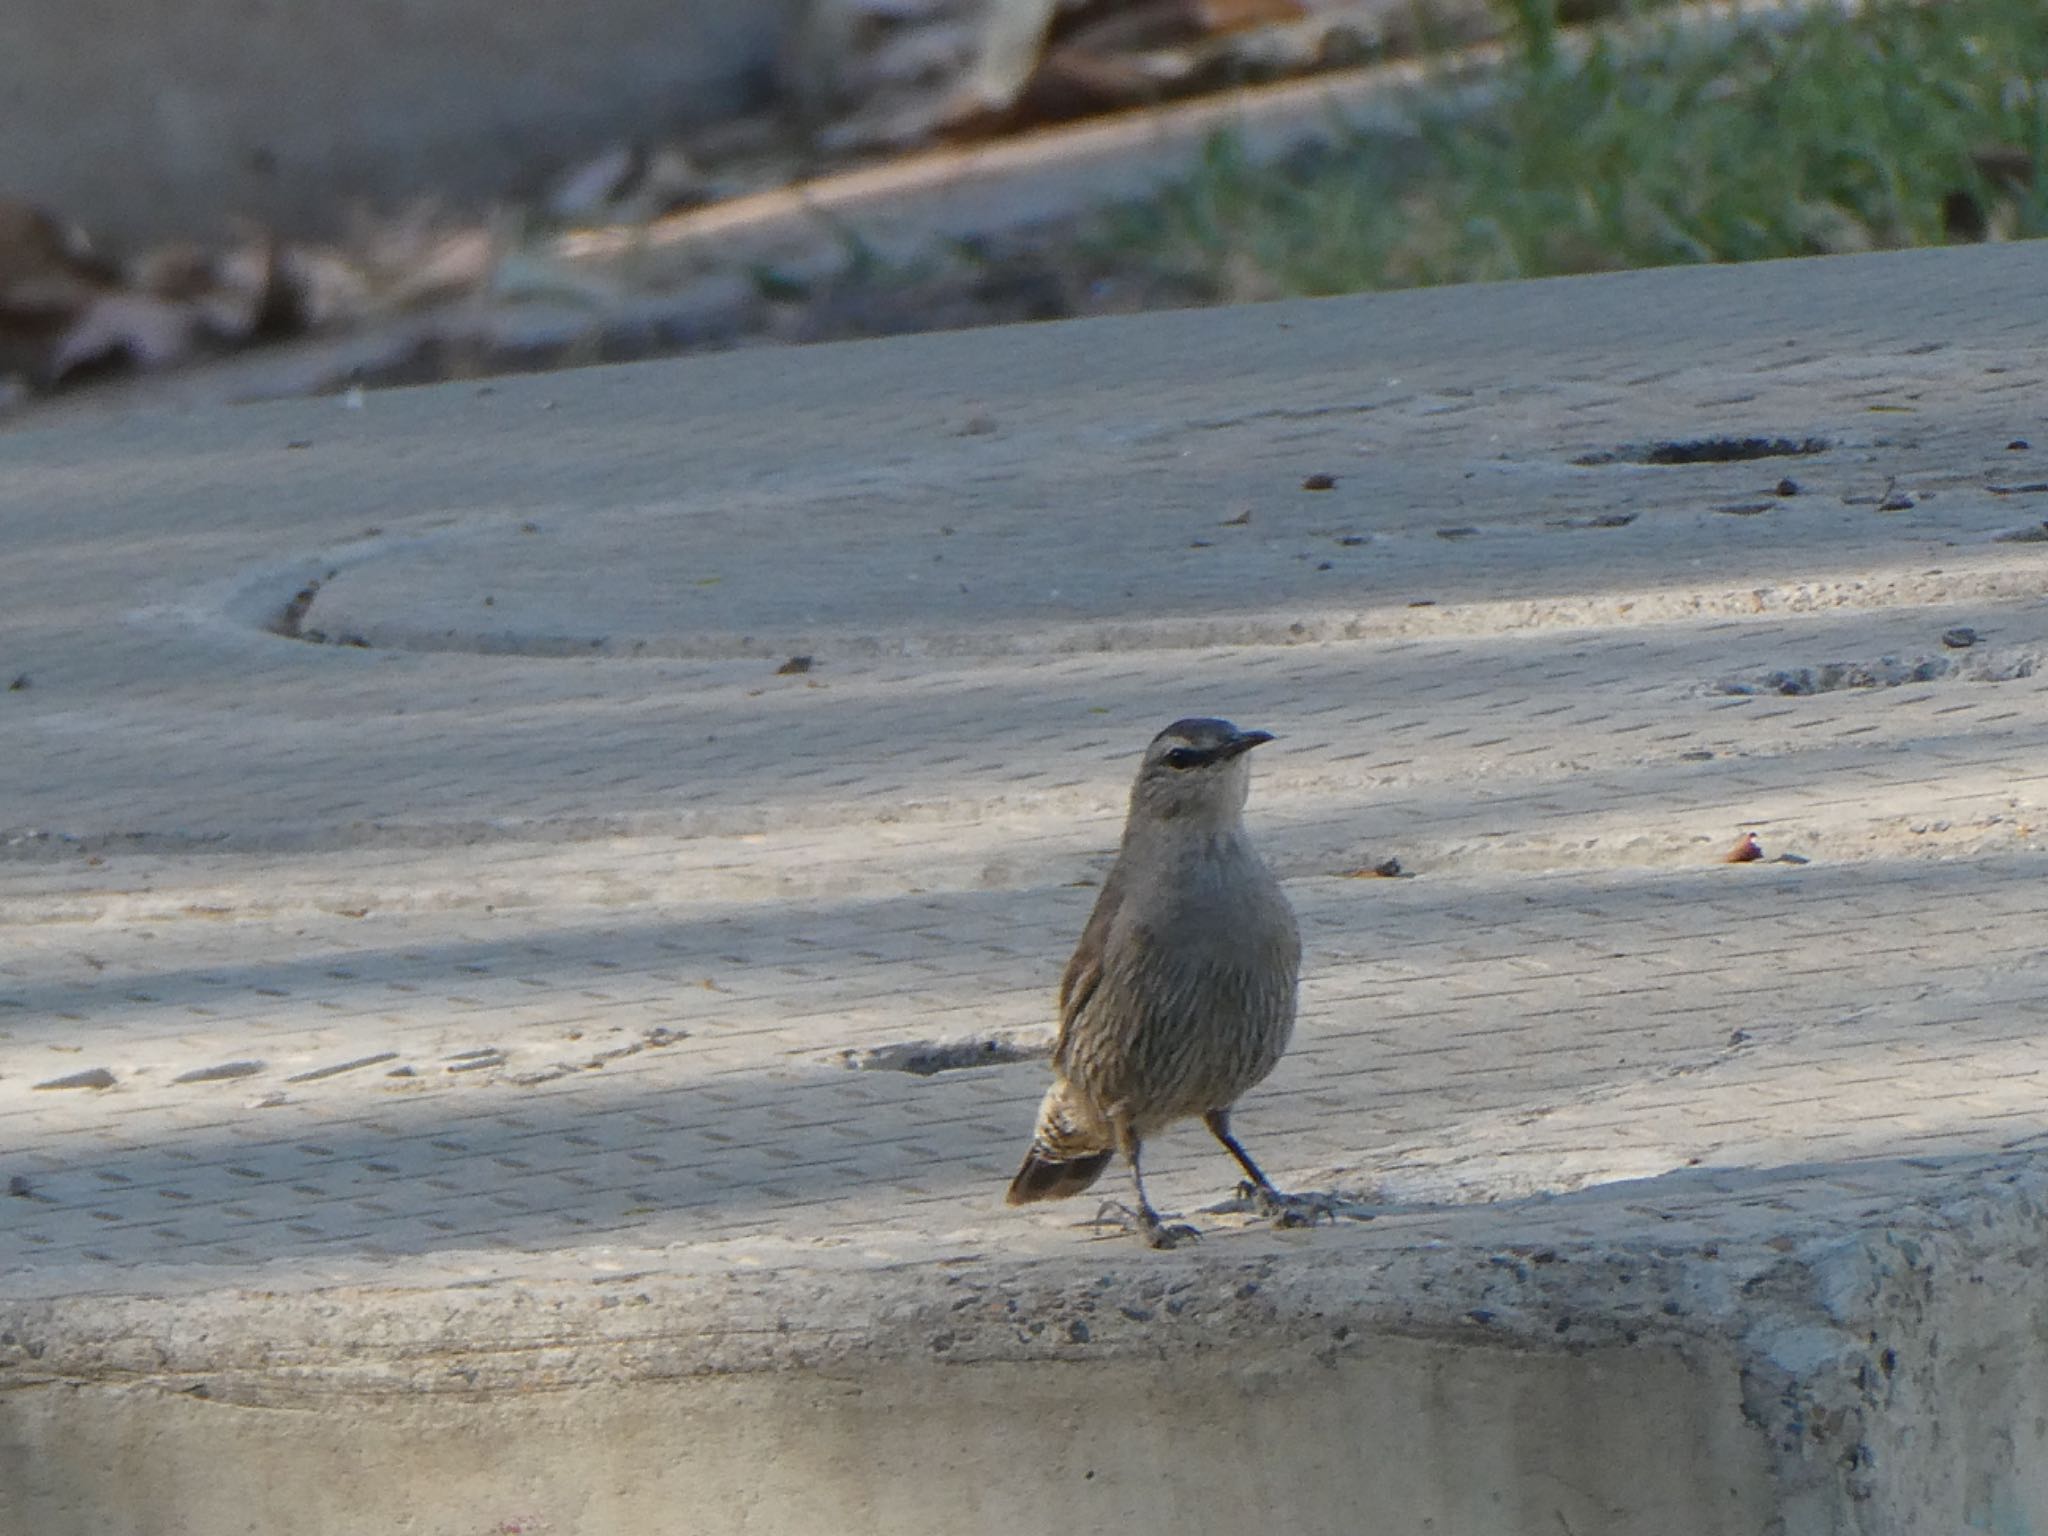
{"x": 1168, "y": 1234}
{"x": 1146, "y": 1224}
{"x": 1285, "y": 1210}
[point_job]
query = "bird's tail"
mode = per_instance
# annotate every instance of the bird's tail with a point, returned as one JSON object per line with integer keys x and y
{"x": 1045, "y": 1176}
{"x": 1064, "y": 1158}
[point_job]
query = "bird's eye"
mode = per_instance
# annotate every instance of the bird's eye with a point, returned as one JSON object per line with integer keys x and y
{"x": 1183, "y": 757}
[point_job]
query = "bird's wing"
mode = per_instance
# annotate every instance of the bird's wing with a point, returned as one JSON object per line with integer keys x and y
{"x": 1084, "y": 970}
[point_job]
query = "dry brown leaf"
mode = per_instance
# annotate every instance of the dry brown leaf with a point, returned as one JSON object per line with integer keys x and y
{"x": 628, "y": 184}
{"x": 45, "y": 261}
{"x": 134, "y": 328}
{"x": 453, "y": 265}
{"x": 1386, "y": 869}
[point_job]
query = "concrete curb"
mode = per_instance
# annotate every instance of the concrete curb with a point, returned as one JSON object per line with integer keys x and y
{"x": 506, "y": 1118}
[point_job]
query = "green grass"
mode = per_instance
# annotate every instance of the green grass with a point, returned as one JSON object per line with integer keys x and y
{"x": 1839, "y": 134}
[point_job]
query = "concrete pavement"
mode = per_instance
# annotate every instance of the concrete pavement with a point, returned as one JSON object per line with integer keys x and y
{"x": 509, "y": 986}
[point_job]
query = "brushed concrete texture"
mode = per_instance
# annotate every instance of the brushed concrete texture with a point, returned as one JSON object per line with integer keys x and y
{"x": 1301, "y": 1435}
{"x": 506, "y": 982}
{"x": 154, "y": 120}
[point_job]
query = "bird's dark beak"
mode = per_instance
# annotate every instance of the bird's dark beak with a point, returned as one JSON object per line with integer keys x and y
{"x": 1242, "y": 743}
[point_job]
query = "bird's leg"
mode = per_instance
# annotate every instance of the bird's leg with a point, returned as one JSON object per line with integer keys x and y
{"x": 1285, "y": 1210}
{"x": 1155, "y": 1232}
{"x": 1218, "y": 1121}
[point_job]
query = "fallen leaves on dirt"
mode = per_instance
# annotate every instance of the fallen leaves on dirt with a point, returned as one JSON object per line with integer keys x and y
{"x": 68, "y": 310}
{"x": 870, "y": 75}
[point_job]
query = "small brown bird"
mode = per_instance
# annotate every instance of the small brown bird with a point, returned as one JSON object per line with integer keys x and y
{"x": 1180, "y": 997}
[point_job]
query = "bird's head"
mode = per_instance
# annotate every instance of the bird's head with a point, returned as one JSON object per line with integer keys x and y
{"x": 1195, "y": 769}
